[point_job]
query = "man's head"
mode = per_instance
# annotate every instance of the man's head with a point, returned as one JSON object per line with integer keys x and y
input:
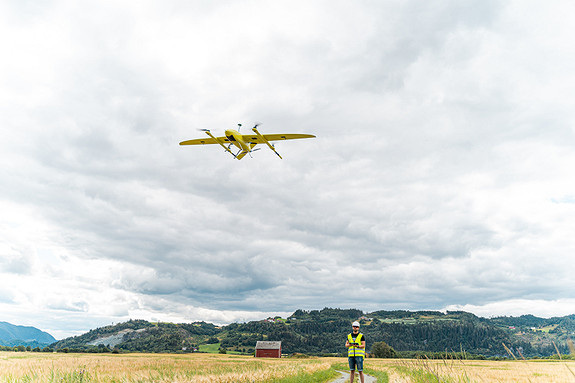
{"x": 355, "y": 326}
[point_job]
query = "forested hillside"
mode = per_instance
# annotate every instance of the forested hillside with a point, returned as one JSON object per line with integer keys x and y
{"x": 323, "y": 332}
{"x": 140, "y": 335}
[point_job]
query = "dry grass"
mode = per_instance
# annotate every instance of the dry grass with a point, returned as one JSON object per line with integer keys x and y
{"x": 105, "y": 368}
{"x": 199, "y": 368}
{"x": 403, "y": 370}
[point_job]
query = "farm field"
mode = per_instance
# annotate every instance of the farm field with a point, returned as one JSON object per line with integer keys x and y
{"x": 27, "y": 367}
{"x": 32, "y": 367}
{"x": 455, "y": 371}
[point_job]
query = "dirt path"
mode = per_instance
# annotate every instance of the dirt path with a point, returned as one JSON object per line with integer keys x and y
{"x": 344, "y": 378}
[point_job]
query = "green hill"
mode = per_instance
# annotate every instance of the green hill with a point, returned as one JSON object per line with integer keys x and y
{"x": 323, "y": 332}
{"x": 140, "y": 335}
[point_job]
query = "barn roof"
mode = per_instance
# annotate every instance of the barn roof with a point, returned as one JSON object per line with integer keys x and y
{"x": 268, "y": 345}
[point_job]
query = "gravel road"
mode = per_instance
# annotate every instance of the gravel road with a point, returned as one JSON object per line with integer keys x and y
{"x": 344, "y": 378}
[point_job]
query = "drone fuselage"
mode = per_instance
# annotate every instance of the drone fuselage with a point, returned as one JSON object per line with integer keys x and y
{"x": 236, "y": 138}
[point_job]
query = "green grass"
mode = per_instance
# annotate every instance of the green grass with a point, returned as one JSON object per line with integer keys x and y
{"x": 381, "y": 376}
{"x": 548, "y": 328}
{"x": 56, "y": 376}
{"x": 418, "y": 375}
{"x": 422, "y": 372}
{"x": 213, "y": 348}
{"x": 317, "y": 377}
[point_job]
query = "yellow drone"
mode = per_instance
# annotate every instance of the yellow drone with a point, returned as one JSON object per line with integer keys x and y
{"x": 244, "y": 142}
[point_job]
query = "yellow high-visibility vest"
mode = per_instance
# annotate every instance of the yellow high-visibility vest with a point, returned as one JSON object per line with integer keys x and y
{"x": 355, "y": 351}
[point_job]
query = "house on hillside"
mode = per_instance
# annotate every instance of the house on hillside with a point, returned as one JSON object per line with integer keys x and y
{"x": 268, "y": 349}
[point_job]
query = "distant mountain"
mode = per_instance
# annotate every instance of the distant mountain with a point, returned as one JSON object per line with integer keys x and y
{"x": 13, "y": 335}
{"x": 321, "y": 332}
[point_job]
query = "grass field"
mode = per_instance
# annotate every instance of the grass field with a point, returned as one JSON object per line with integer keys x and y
{"x": 456, "y": 371}
{"x": 162, "y": 368}
{"x": 179, "y": 368}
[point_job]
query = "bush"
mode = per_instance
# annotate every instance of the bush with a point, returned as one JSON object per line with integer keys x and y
{"x": 382, "y": 350}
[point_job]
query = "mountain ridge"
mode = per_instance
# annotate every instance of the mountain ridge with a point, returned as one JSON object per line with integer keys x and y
{"x": 320, "y": 332}
{"x": 15, "y": 335}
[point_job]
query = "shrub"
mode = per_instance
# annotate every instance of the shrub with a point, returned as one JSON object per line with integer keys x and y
{"x": 382, "y": 350}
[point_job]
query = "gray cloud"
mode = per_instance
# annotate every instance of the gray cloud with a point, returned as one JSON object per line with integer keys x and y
{"x": 439, "y": 177}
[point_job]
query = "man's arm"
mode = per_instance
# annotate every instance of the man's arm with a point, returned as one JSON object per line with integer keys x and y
{"x": 362, "y": 344}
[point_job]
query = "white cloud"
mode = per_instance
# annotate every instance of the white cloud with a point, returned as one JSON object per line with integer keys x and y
{"x": 518, "y": 307}
{"x": 440, "y": 175}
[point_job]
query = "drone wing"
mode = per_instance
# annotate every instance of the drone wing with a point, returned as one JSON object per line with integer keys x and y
{"x": 254, "y": 138}
{"x": 205, "y": 141}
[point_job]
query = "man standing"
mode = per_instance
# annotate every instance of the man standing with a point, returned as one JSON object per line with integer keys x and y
{"x": 355, "y": 352}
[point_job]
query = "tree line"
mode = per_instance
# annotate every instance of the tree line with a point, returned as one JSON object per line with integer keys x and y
{"x": 323, "y": 332}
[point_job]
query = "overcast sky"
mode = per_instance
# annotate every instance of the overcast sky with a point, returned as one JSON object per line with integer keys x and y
{"x": 441, "y": 177}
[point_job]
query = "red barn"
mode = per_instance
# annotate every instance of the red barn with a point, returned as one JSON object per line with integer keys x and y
{"x": 268, "y": 349}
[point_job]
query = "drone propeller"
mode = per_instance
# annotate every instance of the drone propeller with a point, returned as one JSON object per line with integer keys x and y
{"x": 254, "y": 150}
{"x": 204, "y": 130}
{"x": 257, "y": 124}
